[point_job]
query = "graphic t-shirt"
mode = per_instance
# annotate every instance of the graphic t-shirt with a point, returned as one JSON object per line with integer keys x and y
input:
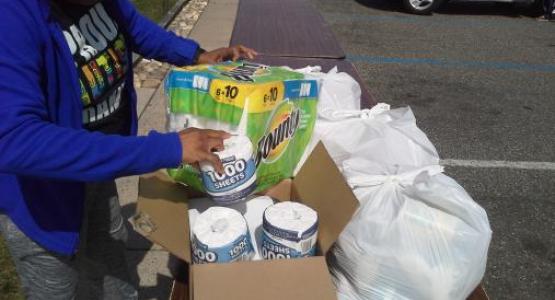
{"x": 99, "y": 53}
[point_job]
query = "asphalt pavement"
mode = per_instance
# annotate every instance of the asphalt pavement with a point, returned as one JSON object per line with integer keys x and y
{"x": 480, "y": 78}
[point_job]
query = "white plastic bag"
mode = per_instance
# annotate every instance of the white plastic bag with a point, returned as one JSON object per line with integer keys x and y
{"x": 416, "y": 235}
{"x": 338, "y": 91}
{"x": 388, "y": 139}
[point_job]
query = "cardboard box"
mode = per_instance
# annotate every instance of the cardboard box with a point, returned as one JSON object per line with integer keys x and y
{"x": 162, "y": 216}
{"x": 180, "y": 291}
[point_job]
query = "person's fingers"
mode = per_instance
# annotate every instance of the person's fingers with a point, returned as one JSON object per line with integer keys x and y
{"x": 217, "y": 134}
{"x": 215, "y": 161}
{"x": 215, "y": 144}
{"x": 231, "y": 53}
{"x": 222, "y": 54}
{"x": 220, "y": 58}
{"x": 237, "y": 54}
{"x": 247, "y": 52}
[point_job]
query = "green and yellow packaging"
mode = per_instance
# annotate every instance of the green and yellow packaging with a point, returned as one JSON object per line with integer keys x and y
{"x": 275, "y": 107}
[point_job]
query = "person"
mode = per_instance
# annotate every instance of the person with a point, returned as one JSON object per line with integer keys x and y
{"x": 68, "y": 129}
{"x": 549, "y": 10}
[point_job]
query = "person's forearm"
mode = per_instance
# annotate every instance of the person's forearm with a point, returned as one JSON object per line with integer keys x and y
{"x": 46, "y": 150}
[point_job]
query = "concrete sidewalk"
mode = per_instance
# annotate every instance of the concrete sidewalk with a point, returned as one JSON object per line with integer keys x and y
{"x": 149, "y": 263}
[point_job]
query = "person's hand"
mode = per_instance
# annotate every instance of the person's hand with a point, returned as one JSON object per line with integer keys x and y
{"x": 230, "y": 53}
{"x": 198, "y": 144}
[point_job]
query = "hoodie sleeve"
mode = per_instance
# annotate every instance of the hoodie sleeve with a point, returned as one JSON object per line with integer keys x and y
{"x": 31, "y": 145}
{"x": 152, "y": 41}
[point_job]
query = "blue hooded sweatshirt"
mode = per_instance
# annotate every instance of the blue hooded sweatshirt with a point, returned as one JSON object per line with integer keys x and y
{"x": 45, "y": 155}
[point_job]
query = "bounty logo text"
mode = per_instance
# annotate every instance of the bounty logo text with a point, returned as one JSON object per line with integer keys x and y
{"x": 244, "y": 72}
{"x": 280, "y": 130}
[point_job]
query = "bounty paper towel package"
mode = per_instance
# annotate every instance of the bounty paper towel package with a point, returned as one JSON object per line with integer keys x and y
{"x": 220, "y": 235}
{"x": 290, "y": 231}
{"x": 274, "y": 107}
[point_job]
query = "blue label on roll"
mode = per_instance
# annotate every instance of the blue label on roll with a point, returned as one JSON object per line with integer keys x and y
{"x": 288, "y": 234}
{"x": 236, "y": 173}
{"x": 272, "y": 249}
{"x": 233, "y": 251}
{"x": 235, "y": 197}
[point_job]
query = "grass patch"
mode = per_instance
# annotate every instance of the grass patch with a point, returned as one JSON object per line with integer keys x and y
{"x": 9, "y": 282}
{"x": 154, "y": 9}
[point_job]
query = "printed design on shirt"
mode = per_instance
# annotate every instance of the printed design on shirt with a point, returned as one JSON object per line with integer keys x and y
{"x": 99, "y": 52}
{"x": 105, "y": 108}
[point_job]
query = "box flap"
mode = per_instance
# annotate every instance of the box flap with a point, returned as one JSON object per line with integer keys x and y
{"x": 302, "y": 279}
{"x": 162, "y": 213}
{"x": 191, "y": 284}
{"x": 320, "y": 185}
{"x": 478, "y": 294}
{"x": 280, "y": 191}
{"x": 180, "y": 291}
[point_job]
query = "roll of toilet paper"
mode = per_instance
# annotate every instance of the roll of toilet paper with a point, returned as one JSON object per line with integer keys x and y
{"x": 239, "y": 177}
{"x": 220, "y": 235}
{"x": 290, "y": 231}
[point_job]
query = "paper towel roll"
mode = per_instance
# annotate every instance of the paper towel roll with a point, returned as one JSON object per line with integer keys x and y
{"x": 220, "y": 235}
{"x": 178, "y": 122}
{"x": 290, "y": 231}
{"x": 239, "y": 177}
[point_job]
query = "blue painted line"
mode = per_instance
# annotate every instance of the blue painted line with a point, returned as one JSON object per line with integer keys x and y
{"x": 453, "y": 63}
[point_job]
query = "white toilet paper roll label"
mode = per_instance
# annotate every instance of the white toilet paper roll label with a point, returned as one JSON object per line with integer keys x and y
{"x": 289, "y": 231}
{"x": 238, "y": 250}
{"x": 220, "y": 235}
{"x": 239, "y": 177}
